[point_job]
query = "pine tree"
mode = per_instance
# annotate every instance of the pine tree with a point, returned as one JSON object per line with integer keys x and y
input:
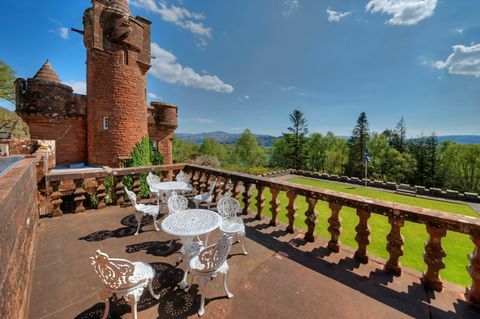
{"x": 296, "y": 138}
{"x": 357, "y": 147}
{"x": 400, "y": 136}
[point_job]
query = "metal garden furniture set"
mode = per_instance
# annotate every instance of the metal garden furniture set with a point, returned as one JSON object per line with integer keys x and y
{"x": 128, "y": 279}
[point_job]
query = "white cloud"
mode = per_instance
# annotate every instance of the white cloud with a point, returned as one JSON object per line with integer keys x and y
{"x": 179, "y": 16}
{"x": 61, "y": 30}
{"x": 290, "y": 6}
{"x": 288, "y": 88}
{"x": 336, "y": 16}
{"x": 164, "y": 67}
{"x": 79, "y": 87}
{"x": 201, "y": 120}
{"x": 153, "y": 96}
{"x": 247, "y": 97}
{"x": 459, "y": 30}
{"x": 463, "y": 61}
{"x": 404, "y": 12}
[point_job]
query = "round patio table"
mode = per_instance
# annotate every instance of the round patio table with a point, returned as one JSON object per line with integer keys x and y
{"x": 187, "y": 225}
{"x": 167, "y": 188}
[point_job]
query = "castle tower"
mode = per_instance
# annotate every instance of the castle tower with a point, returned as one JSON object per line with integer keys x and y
{"x": 118, "y": 57}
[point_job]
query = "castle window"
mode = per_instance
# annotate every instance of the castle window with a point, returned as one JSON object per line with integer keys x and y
{"x": 125, "y": 56}
{"x": 106, "y": 123}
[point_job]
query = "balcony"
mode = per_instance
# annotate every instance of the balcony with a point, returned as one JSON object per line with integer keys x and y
{"x": 288, "y": 273}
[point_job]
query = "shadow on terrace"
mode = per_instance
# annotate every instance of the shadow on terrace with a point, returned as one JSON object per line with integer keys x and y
{"x": 285, "y": 275}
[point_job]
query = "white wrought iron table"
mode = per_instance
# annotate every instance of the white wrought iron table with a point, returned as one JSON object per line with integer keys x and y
{"x": 167, "y": 188}
{"x": 187, "y": 225}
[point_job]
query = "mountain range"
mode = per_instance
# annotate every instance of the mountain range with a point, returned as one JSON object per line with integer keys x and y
{"x": 268, "y": 140}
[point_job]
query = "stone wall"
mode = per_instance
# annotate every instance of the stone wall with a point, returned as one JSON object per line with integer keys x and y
{"x": 162, "y": 122}
{"x": 18, "y": 222}
{"x": 406, "y": 188}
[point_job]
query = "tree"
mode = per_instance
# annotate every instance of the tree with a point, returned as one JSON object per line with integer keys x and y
{"x": 462, "y": 167}
{"x": 337, "y": 155}
{"x": 211, "y": 147}
{"x": 183, "y": 150}
{"x": 316, "y": 152}
{"x": 356, "y": 146}
{"x": 13, "y": 125}
{"x": 426, "y": 153}
{"x": 7, "y": 79}
{"x": 296, "y": 138}
{"x": 399, "y": 136}
{"x": 279, "y": 156}
{"x": 247, "y": 152}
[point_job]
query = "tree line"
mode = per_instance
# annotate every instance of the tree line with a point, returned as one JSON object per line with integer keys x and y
{"x": 393, "y": 157}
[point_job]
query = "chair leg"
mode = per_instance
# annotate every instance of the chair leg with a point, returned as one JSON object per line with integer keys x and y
{"x": 155, "y": 223}
{"x": 133, "y": 306}
{"x": 107, "y": 308}
{"x": 150, "y": 288}
{"x": 196, "y": 204}
{"x": 139, "y": 224}
{"x": 229, "y": 294}
{"x": 203, "y": 290}
{"x": 243, "y": 246}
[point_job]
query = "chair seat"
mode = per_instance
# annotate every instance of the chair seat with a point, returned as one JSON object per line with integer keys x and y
{"x": 194, "y": 249}
{"x": 232, "y": 226}
{"x": 142, "y": 272}
{"x": 148, "y": 209}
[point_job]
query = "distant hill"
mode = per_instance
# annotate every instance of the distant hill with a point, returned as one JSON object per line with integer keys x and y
{"x": 268, "y": 140}
{"x": 224, "y": 137}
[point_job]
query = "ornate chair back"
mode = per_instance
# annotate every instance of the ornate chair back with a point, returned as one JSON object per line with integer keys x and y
{"x": 213, "y": 257}
{"x": 183, "y": 177}
{"x": 114, "y": 272}
{"x": 131, "y": 195}
{"x": 228, "y": 207}
{"x": 153, "y": 179}
{"x": 177, "y": 203}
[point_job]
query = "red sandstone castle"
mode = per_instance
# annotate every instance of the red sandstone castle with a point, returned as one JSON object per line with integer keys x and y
{"x": 102, "y": 127}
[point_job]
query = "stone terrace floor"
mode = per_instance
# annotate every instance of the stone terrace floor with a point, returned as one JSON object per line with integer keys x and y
{"x": 280, "y": 278}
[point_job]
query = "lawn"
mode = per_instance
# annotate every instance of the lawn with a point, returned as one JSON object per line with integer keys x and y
{"x": 456, "y": 245}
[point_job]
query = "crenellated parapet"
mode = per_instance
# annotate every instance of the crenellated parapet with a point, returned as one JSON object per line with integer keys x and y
{"x": 163, "y": 115}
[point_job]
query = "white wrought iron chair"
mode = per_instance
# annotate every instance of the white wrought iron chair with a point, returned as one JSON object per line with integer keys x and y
{"x": 185, "y": 178}
{"x": 207, "y": 265}
{"x": 232, "y": 225}
{"x": 122, "y": 278}
{"x": 177, "y": 203}
{"x": 153, "y": 179}
{"x": 205, "y": 197}
{"x": 141, "y": 210}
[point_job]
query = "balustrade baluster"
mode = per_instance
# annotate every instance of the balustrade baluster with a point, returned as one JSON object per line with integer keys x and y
{"x": 292, "y": 211}
{"x": 363, "y": 236}
{"x": 218, "y": 189}
{"x": 202, "y": 183}
{"x": 247, "y": 198}
{"x": 100, "y": 192}
{"x": 335, "y": 227}
{"x": 119, "y": 191}
{"x": 311, "y": 220}
{"x": 260, "y": 201}
{"x": 395, "y": 245}
{"x": 136, "y": 185}
{"x": 274, "y": 206}
{"x": 79, "y": 196}
{"x": 56, "y": 199}
{"x": 195, "y": 182}
{"x": 433, "y": 257}
{"x": 473, "y": 293}
{"x": 236, "y": 190}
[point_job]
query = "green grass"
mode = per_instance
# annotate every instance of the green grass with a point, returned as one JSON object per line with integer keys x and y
{"x": 456, "y": 245}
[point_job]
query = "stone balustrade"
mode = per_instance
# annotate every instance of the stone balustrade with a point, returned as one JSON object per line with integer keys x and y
{"x": 240, "y": 185}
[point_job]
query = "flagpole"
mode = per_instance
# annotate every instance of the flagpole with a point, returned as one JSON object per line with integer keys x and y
{"x": 366, "y": 165}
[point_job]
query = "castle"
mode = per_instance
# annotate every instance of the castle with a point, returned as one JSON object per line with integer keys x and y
{"x": 102, "y": 127}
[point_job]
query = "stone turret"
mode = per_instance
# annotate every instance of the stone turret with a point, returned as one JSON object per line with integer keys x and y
{"x": 118, "y": 57}
{"x": 47, "y": 73}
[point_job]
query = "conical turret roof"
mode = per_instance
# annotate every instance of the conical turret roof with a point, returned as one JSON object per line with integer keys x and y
{"x": 120, "y": 5}
{"x": 47, "y": 73}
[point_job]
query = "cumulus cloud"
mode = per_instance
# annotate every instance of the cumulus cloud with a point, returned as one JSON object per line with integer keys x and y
{"x": 290, "y": 6}
{"x": 179, "y": 16}
{"x": 153, "y": 96}
{"x": 336, "y": 16}
{"x": 165, "y": 67}
{"x": 79, "y": 87}
{"x": 463, "y": 61}
{"x": 404, "y": 12}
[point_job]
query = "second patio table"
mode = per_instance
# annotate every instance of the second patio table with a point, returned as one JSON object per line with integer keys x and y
{"x": 187, "y": 225}
{"x": 167, "y": 188}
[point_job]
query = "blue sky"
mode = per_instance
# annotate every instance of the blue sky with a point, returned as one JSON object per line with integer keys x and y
{"x": 231, "y": 65}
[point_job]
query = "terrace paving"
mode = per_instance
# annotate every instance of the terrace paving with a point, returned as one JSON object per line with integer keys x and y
{"x": 282, "y": 277}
